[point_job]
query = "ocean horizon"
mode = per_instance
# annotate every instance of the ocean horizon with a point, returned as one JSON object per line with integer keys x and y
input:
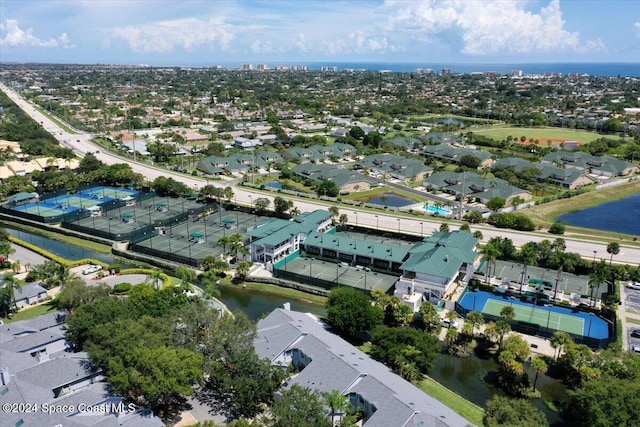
{"x": 602, "y": 69}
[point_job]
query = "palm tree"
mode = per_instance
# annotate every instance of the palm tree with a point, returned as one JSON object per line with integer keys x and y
{"x": 529, "y": 256}
{"x": 540, "y": 366}
{"x": 491, "y": 331}
{"x": 343, "y": 220}
{"x": 429, "y": 314}
{"x": 338, "y": 403}
{"x": 475, "y": 319}
{"x": 508, "y": 313}
{"x": 490, "y": 253}
{"x": 335, "y": 212}
{"x": 451, "y": 337}
{"x": 596, "y": 278}
{"x": 155, "y": 276}
{"x": 502, "y": 328}
{"x": 452, "y": 315}
{"x": 11, "y": 283}
{"x": 293, "y": 212}
{"x": 613, "y": 248}
{"x": 558, "y": 341}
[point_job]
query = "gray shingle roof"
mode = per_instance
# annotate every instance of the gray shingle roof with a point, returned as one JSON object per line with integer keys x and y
{"x": 336, "y": 364}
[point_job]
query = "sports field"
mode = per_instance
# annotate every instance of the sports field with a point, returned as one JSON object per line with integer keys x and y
{"x": 110, "y": 192}
{"x": 557, "y": 318}
{"x": 542, "y": 134}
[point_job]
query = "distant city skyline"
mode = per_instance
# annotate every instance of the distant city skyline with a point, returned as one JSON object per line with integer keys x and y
{"x": 205, "y": 32}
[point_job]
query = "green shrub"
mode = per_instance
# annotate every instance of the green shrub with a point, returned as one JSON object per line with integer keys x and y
{"x": 557, "y": 227}
{"x": 122, "y": 288}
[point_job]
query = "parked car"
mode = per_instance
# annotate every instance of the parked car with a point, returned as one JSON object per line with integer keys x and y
{"x": 635, "y": 333}
{"x": 449, "y": 324}
{"x": 633, "y": 285}
{"x": 635, "y": 348}
{"x": 91, "y": 269}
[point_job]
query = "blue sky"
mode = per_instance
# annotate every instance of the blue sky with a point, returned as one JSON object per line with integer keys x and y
{"x": 210, "y": 32}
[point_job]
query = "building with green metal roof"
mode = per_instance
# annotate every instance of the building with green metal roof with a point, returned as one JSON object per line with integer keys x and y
{"x": 273, "y": 239}
{"x": 435, "y": 265}
{"x": 597, "y": 165}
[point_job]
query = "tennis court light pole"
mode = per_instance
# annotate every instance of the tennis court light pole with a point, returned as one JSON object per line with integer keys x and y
{"x": 555, "y": 292}
{"x": 590, "y": 322}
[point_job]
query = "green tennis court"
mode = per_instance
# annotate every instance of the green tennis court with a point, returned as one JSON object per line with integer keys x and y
{"x": 42, "y": 211}
{"x": 571, "y": 324}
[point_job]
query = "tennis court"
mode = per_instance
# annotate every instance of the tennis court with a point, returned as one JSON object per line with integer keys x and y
{"x": 192, "y": 240}
{"x": 107, "y": 192}
{"x": 43, "y": 210}
{"x": 550, "y": 317}
{"x": 328, "y": 274}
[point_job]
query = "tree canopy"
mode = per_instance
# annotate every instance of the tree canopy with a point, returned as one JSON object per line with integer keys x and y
{"x": 349, "y": 311}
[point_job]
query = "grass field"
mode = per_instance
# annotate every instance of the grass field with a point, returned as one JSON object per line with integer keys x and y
{"x": 460, "y": 405}
{"x": 364, "y": 196}
{"x": 542, "y": 134}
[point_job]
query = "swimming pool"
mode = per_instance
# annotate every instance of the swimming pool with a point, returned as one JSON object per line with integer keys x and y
{"x": 436, "y": 210}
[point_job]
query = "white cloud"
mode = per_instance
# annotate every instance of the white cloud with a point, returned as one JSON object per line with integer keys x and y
{"x": 487, "y": 27}
{"x": 17, "y": 37}
{"x": 636, "y": 26}
{"x": 188, "y": 33}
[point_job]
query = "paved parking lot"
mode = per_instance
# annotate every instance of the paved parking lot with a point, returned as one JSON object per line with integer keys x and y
{"x": 632, "y": 302}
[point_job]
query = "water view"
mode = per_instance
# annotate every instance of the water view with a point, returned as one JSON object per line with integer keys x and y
{"x": 391, "y": 200}
{"x": 469, "y": 377}
{"x": 621, "y": 216}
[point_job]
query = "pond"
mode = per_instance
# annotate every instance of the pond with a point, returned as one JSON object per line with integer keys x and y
{"x": 254, "y": 304}
{"x": 467, "y": 376}
{"x": 62, "y": 249}
{"x": 621, "y": 216}
{"x": 391, "y": 200}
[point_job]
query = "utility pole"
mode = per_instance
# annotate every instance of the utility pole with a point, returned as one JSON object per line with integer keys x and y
{"x": 461, "y": 197}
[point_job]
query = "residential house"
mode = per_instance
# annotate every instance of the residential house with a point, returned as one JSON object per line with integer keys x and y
{"x": 452, "y": 154}
{"x": 30, "y": 293}
{"x": 325, "y": 362}
{"x": 549, "y": 173}
{"x": 472, "y": 185}
{"x": 396, "y": 167}
{"x": 346, "y": 180}
{"x": 605, "y": 166}
{"x": 36, "y": 371}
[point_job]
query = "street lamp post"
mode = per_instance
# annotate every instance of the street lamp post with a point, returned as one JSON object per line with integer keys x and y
{"x": 421, "y": 229}
{"x": 555, "y": 292}
{"x": 356, "y": 214}
{"x": 377, "y": 222}
{"x": 398, "y": 225}
{"x": 594, "y": 256}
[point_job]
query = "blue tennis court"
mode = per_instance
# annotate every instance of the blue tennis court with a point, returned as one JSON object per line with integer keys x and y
{"x": 558, "y": 318}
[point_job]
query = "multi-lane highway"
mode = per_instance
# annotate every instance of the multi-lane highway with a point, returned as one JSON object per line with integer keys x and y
{"x": 81, "y": 143}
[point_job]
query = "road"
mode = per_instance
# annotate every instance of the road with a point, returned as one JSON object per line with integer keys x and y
{"x": 81, "y": 144}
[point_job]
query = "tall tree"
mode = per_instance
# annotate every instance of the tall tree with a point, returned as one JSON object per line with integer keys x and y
{"x": 507, "y": 412}
{"x": 349, "y": 311}
{"x": 613, "y": 248}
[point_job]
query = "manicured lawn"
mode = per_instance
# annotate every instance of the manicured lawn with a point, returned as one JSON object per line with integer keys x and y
{"x": 364, "y": 196}
{"x": 470, "y": 411}
{"x": 30, "y": 313}
{"x": 542, "y": 134}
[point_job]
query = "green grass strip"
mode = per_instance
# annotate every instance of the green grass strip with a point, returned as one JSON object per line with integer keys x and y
{"x": 30, "y": 313}
{"x": 460, "y": 405}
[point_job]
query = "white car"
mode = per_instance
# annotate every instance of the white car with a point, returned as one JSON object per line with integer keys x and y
{"x": 633, "y": 285}
{"x": 448, "y": 323}
{"x": 91, "y": 269}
